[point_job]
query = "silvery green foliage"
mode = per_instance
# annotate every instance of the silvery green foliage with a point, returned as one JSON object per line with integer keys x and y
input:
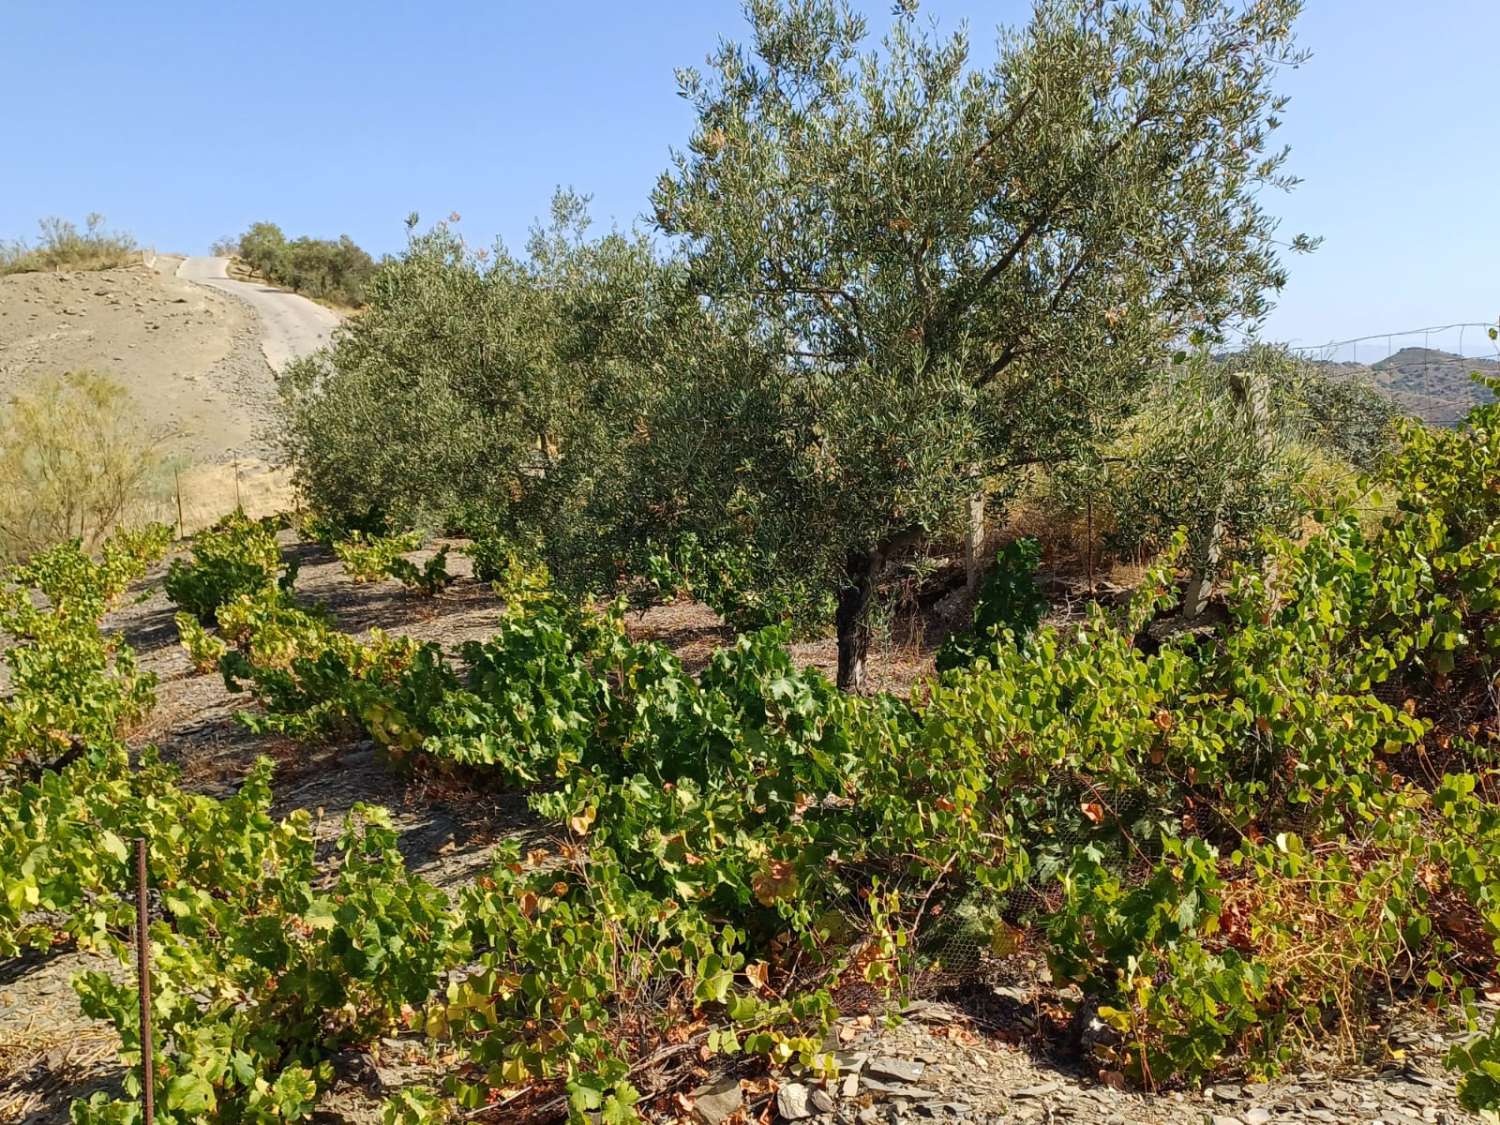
{"x": 947, "y": 271}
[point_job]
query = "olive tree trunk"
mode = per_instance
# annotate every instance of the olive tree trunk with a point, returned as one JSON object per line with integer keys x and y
{"x": 853, "y": 619}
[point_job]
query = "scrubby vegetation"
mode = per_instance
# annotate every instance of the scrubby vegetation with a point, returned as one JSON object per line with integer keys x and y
{"x": 236, "y": 556}
{"x": 75, "y": 457}
{"x": 1223, "y": 840}
{"x": 336, "y": 271}
{"x": 371, "y": 558}
{"x": 63, "y": 246}
{"x": 896, "y": 290}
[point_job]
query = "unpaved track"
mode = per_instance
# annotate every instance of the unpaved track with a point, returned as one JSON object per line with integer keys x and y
{"x": 290, "y": 326}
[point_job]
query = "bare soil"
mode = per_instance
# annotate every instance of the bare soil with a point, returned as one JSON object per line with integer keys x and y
{"x": 189, "y": 357}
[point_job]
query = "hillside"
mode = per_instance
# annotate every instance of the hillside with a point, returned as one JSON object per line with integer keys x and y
{"x": 1434, "y": 385}
{"x": 189, "y": 356}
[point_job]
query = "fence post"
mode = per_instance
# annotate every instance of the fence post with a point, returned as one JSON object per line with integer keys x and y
{"x": 974, "y": 537}
{"x": 177, "y": 480}
{"x": 143, "y": 981}
{"x": 1251, "y": 397}
{"x": 1088, "y": 546}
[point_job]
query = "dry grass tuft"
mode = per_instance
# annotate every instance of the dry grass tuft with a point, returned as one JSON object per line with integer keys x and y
{"x": 64, "y": 247}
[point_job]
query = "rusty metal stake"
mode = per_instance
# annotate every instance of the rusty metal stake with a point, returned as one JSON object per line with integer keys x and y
{"x": 143, "y": 979}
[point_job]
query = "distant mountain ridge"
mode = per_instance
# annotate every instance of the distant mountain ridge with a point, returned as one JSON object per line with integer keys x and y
{"x": 1434, "y": 385}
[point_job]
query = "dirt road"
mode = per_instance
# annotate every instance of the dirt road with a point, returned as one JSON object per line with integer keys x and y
{"x": 290, "y": 326}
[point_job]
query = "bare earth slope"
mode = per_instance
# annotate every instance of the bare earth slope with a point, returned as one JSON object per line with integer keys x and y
{"x": 196, "y": 350}
{"x": 187, "y": 354}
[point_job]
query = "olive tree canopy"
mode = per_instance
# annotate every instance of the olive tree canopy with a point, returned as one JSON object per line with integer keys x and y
{"x": 942, "y": 271}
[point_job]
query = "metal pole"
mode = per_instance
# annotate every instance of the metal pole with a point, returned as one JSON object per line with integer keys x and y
{"x": 143, "y": 980}
{"x": 181, "y": 528}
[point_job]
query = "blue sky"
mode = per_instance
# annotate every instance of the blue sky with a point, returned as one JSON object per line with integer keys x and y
{"x": 182, "y": 121}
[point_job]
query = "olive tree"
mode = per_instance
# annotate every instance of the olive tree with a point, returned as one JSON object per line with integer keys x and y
{"x": 481, "y": 390}
{"x": 942, "y": 271}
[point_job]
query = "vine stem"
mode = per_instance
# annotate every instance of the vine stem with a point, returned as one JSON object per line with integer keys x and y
{"x": 143, "y": 981}
{"x": 921, "y": 910}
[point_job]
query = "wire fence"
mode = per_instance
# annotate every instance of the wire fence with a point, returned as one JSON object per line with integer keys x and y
{"x": 1428, "y": 371}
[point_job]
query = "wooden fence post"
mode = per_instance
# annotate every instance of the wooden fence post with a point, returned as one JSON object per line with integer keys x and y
{"x": 1248, "y": 390}
{"x": 177, "y": 479}
{"x": 974, "y": 540}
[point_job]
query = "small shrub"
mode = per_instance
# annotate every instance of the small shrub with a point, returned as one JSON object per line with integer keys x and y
{"x": 1217, "y": 450}
{"x": 742, "y": 585}
{"x": 75, "y": 457}
{"x": 248, "y": 986}
{"x": 63, "y": 246}
{"x": 515, "y": 574}
{"x": 369, "y": 558}
{"x": 71, "y": 687}
{"x": 236, "y": 556}
{"x": 430, "y": 578}
{"x": 1009, "y": 602}
{"x": 203, "y": 648}
{"x": 1350, "y": 416}
{"x": 495, "y": 557}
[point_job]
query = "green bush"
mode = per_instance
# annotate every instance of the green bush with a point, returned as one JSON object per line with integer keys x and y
{"x": 253, "y": 994}
{"x": 203, "y": 648}
{"x": 265, "y": 964}
{"x": 236, "y": 556}
{"x": 73, "y": 689}
{"x": 371, "y": 558}
{"x": 1350, "y": 416}
{"x": 1214, "y": 449}
{"x": 325, "y": 269}
{"x": 1010, "y": 606}
{"x": 431, "y": 578}
{"x": 735, "y": 581}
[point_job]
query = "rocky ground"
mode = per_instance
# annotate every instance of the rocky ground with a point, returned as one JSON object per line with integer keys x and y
{"x": 979, "y": 1050}
{"x": 189, "y": 357}
{"x": 946, "y": 1062}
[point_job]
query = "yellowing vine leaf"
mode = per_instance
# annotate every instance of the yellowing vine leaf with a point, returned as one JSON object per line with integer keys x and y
{"x": 581, "y": 823}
